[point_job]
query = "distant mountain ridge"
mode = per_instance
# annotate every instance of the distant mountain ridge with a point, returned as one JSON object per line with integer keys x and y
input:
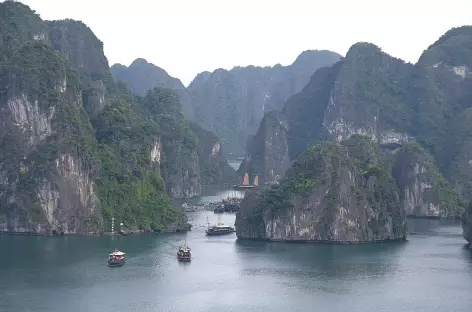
{"x": 230, "y": 103}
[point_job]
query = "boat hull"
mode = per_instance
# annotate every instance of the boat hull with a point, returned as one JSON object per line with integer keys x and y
{"x": 184, "y": 257}
{"x": 243, "y": 187}
{"x": 116, "y": 264}
{"x": 219, "y": 233}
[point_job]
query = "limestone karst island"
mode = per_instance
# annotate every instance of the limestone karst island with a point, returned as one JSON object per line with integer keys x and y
{"x": 295, "y": 165}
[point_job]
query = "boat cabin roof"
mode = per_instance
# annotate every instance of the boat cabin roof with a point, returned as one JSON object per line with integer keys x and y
{"x": 117, "y": 253}
{"x": 221, "y": 225}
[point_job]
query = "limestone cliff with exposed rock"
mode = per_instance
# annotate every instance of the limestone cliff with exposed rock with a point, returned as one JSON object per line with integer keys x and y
{"x": 423, "y": 189}
{"x": 467, "y": 224}
{"x": 48, "y": 175}
{"x": 78, "y": 149}
{"x": 269, "y": 158}
{"x": 336, "y": 193}
{"x": 372, "y": 93}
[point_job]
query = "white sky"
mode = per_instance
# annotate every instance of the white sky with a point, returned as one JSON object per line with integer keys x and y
{"x": 186, "y": 37}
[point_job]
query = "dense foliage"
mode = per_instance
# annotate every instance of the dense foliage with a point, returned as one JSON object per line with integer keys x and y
{"x": 130, "y": 189}
{"x": 332, "y": 183}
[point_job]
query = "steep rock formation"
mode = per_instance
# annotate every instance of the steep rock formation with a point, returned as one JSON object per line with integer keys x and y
{"x": 232, "y": 103}
{"x": 459, "y": 146}
{"x": 214, "y": 167}
{"x": 332, "y": 193}
{"x": 423, "y": 190}
{"x": 269, "y": 158}
{"x": 198, "y": 166}
{"x": 179, "y": 159}
{"x": 190, "y": 156}
{"x": 366, "y": 97}
{"x": 48, "y": 161}
{"x": 141, "y": 77}
{"x": 467, "y": 224}
{"x": 79, "y": 45}
{"x": 371, "y": 93}
{"x": 361, "y": 94}
{"x": 442, "y": 95}
{"x": 54, "y": 107}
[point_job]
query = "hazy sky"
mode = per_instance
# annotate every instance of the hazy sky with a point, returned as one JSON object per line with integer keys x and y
{"x": 186, "y": 37}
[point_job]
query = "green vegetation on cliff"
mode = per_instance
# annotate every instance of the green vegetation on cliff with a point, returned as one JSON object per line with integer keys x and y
{"x": 130, "y": 188}
{"x": 69, "y": 160}
{"x": 340, "y": 192}
{"x": 322, "y": 162}
{"x": 423, "y": 188}
{"x": 372, "y": 93}
{"x": 141, "y": 77}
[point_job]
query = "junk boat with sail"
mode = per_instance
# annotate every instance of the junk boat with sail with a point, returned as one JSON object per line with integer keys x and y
{"x": 245, "y": 184}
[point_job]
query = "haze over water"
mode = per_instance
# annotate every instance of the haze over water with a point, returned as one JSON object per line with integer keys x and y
{"x": 430, "y": 272}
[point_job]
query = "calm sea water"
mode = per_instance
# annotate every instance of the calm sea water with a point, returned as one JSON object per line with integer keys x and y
{"x": 431, "y": 272}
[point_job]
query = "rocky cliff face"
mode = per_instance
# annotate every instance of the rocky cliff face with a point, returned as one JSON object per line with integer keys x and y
{"x": 232, "y": 103}
{"x": 423, "y": 190}
{"x": 142, "y": 77}
{"x": 76, "y": 148}
{"x": 364, "y": 97}
{"x": 185, "y": 167}
{"x": 79, "y": 45}
{"x": 330, "y": 194}
{"x": 189, "y": 155}
{"x": 214, "y": 167}
{"x": 269, "y": 158}
{"x": 48, "y": 174}
{"x": 467, "y": 224}
{"x": 373, "y": 94}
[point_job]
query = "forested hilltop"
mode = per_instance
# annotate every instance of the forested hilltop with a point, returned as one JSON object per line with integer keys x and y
{"x": 141, "y": 76}
{"x": 418, "y": 114}
{"x": 76, "y": 148}
{"x": 230, "y": 103}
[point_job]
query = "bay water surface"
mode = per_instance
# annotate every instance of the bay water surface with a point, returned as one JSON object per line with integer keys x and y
{"x": 432, "y": 271}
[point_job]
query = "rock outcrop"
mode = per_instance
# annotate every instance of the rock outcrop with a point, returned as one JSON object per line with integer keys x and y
{"x": 269, "y": 158}
{"x": 423, "y": 190}
{"x": 332, "y": 193}
{"x": 214, "y": 168}
{"x": 189, "y": 155}
{"x": 467, "y": 224}
{"x": 48, "y": 173}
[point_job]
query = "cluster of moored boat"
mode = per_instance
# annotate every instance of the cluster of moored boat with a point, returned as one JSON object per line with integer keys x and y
{"x": 118, "y": 258}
